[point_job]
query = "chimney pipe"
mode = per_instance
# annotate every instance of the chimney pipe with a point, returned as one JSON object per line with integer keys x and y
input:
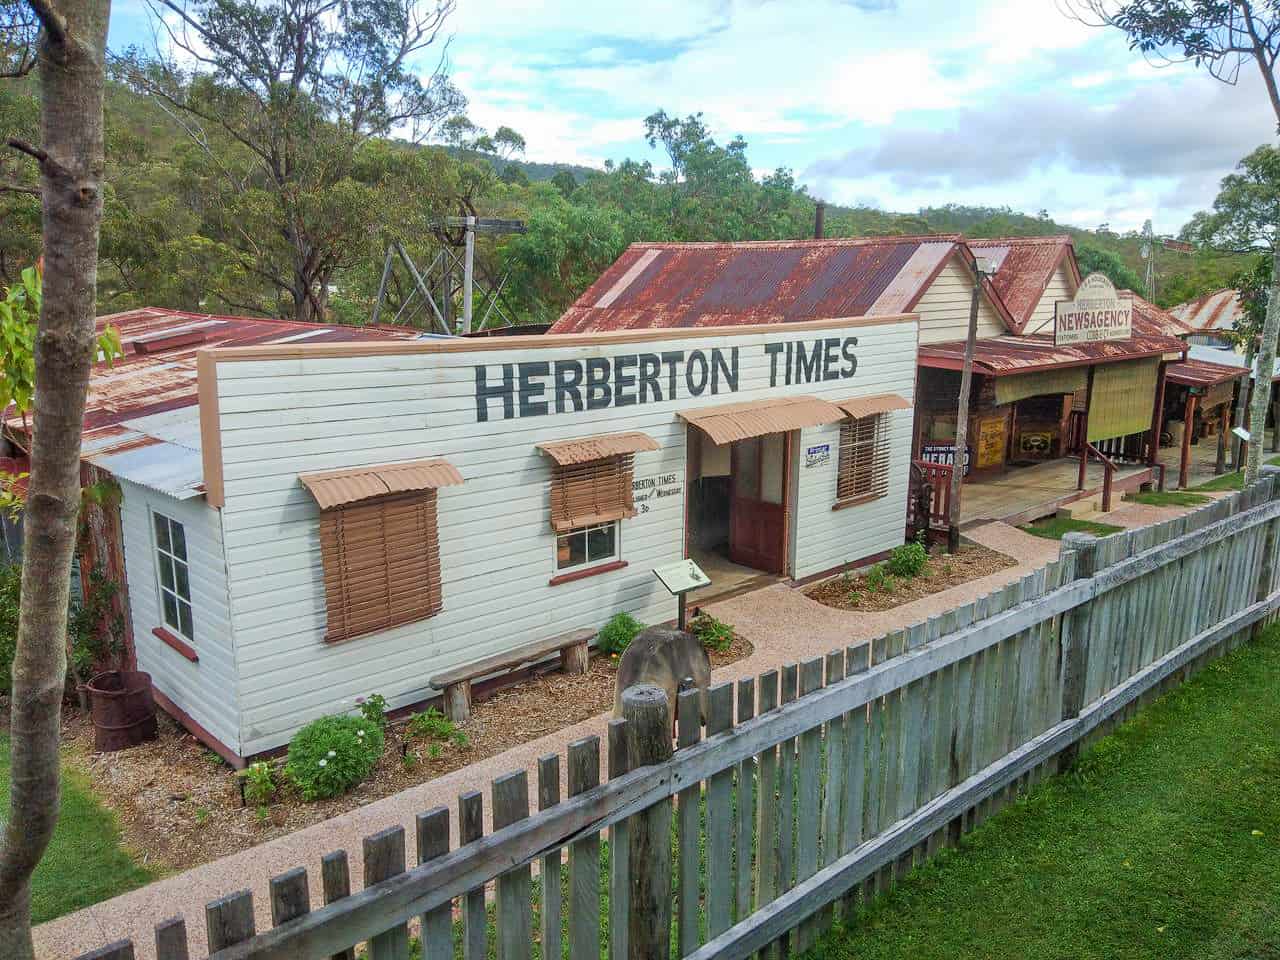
{"x": 819, "y": 217}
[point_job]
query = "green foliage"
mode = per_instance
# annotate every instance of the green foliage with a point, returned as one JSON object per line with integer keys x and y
{"x": 433, "y": 725}
{"x": 1246, "y": 211}
{"x": 374, "y": 709}
{"x": 1168, "y": 498}
{"x": 1055, "y": 528}
{"x": 715, "y": 635}
{"x": 879, "y": 580}
{"x": 259, "y": 784}
{"x": 96, "y": 627}
{"x": 616, "y": 635}
{"x": 10, "y": 601}
{"x": 1093, "y": 259}
{"x": 908, "y": 560}
{"x": 332, "y": 755}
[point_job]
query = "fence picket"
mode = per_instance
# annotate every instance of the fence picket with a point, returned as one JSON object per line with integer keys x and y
{"x": 383, "y": 859}
{"x": 289, "y": 896}
{"x": 229, "y": 920}
{"x": 744, "y": 807}
{"x": 584, "y": 858}
{"x": 857, "y": 660}
{"x": 432, "y": 835}
{"x": 335, "y": 878}
{"x": 689, "y": 831}
{"x": 171, "y": 939}
{"x": 834, "y": 790}
{"x": 720, "y": 882}
{"x": 513, "y": 919}
{"x": 767, "y": 808}
{"x": 475, "y": 921}
{"x": 619, "y": 852}
{"x": 808, "y": 796}
{"x": 549, "y": 932}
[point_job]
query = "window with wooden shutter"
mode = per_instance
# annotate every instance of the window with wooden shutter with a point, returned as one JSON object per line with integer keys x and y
{"x": 863, "y": 472}
{"x": 381, "y": 563}
{"x": 591, "y": 493}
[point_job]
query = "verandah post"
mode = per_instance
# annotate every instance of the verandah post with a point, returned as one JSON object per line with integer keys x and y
{"x": 646, "y": 711}
{"x": 1075, "y": 637}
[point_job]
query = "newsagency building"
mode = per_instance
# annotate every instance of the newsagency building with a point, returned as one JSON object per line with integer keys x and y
{"x": 400, "y": 511}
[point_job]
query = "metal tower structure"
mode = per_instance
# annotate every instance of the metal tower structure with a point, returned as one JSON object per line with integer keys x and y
{"x": 1148, "y": 251}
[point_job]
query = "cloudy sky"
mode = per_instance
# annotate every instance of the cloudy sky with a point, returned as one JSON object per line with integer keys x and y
{"x": 894, "y": 103}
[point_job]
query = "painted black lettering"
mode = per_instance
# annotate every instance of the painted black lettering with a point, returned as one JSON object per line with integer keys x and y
{"x": 830, "y": 359}
{"x": 772, "y": 350}
{"x": 623, "y": 381}
{"x": 696, "y": 381}
{"x": 531, "y": 390}
{"x": 599, "y": 393}
{"x": 788, "y": 363}
{"x": 851, "y": 359}
{"x": 650, "y": 364}
{"x": 485, "y": 393}
{"x": 568, "y": 382}
{"x": 670, "y": 358}
{"x": 730, "y": 369}
{"x": 808, "y": 364}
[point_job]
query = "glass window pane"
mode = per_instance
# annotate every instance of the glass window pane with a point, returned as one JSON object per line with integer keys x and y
{"x": 774, "y": 455}
{"x": 184, "y": 585}
{"x": 170, "y": 609}
{"x": 184, "y": 619}
{"x": 162, "y": 532}
{"x": 571, "y": 549}
{"x": 602, "y": 542}
{"x": 166, "y": 571}
{"x": 746, "y": 468}
{"x": 179, "y": 540}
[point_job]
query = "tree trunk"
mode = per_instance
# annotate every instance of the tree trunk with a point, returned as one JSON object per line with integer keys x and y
{"x": 1262, "y": 383}
{"x": 71, "y": 164}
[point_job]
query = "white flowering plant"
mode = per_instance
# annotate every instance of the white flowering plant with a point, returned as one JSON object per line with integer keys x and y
{"x": 331, "y": 755}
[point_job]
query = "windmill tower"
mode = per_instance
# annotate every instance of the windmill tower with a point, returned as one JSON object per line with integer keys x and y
{"x": 1148, "y": 252}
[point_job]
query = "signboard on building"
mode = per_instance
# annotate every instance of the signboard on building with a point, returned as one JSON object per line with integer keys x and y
{"x": 1096, "y": 313}
{"x": 991, "y": 442}
{"x": 817, "y": 455}
{"x": 945, "y": 454}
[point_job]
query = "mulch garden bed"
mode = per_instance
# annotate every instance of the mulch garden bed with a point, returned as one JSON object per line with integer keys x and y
{"x": 942, "y": 571}
{"x": 179, "y": 804}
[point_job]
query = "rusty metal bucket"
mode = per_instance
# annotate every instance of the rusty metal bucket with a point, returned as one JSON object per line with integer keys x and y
{"x": 123, "y": 710}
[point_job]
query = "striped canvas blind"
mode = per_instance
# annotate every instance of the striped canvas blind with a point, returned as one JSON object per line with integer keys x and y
{"x": 863, "y": 472}
{"x": 381, "y": 563}
{"x": 596, "y": 491}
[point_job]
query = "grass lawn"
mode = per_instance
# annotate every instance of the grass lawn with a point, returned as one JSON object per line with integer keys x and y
{"x": 85, "y": 862}
{"x": 1230, "y": 481}
{"x": 1055, "y": 528}
{"x": 1169, "y": 498}
{"x": 1163, "y": 843}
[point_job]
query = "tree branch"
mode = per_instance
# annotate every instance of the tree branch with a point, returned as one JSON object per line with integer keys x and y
{"x": 55, "y": 25}
{"x": 19, "y": 188}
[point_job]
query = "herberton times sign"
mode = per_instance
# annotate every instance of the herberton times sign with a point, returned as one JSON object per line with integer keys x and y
{"x": 1096, "y": 313}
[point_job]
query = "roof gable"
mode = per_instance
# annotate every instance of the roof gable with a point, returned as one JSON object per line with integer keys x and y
{"x": 1024, "y": 268}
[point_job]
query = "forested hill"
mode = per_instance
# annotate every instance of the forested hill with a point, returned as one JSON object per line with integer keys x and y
{"x": 192, "y": 221}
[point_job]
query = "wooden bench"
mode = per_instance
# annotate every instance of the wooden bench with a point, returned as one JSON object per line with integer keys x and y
{"x": 573, "y": 648}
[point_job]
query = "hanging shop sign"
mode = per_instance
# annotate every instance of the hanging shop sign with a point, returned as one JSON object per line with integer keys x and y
{"x": 945, "y": 454}
{"x": 1096, "y": 313}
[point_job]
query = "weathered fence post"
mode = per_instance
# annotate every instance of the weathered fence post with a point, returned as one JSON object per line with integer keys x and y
{"x": 1075, "y": 637}
{"x": 646, "y": 711}
{"x": 1267, "y": 567}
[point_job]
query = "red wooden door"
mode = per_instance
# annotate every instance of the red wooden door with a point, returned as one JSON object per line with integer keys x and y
{"x": 757, "y": 507}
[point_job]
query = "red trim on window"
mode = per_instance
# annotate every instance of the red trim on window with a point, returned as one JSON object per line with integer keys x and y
{"x": 589, "y": 572}
{"x": 168, "y": 639}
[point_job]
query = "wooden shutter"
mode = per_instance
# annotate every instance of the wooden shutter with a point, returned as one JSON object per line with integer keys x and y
{"x": 597, "y": 491}
{"x": 381, "y": 563}
{"x": 863, "y": 472}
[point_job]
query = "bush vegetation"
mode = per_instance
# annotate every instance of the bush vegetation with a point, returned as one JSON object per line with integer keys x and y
{"x": 715, "y": 635}
{"x": 908, "y": 560}
{"x": 331, "y": 755}
{"x": 433, "y": 725}
{"x": 616, "y": 635}
{"x": 259, "y": 784}
{"x": 374, "y": 709}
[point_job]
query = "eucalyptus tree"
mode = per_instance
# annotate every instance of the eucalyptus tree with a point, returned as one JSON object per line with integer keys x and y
{"x": 285, "y": 101}
{"x": 1225, "y": 38}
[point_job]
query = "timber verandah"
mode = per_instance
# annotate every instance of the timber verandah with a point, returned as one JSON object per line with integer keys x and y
{"x": 839, "y": 775}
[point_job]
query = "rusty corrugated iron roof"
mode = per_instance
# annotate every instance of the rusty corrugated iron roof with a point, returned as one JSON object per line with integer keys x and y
{"x": 727, "y": 422}
{"x": 1213, "y": 311}
{"x": 584, "y": 449}
{"x": 334, "y": 488}
{"x": 1023, "y": 268}
{"x": 1000, "y": 356}
{"x": 1150, "y": 319}
{"x": 727, "y": 284}
{"x": 869, "y": 406}
{"x": 1193, "y": 372}
{"x": 14, "y": 467}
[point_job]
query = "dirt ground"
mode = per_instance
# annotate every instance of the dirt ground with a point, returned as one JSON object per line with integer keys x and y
{"x": 942, "y": 571}
{"x": 179, "y": 804}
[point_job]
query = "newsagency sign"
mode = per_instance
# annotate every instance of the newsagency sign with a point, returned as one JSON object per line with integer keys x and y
{"x": 1097, "y": 313}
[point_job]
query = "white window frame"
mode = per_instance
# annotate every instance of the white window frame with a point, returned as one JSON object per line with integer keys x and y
{"x": 162, "y": 556}
{"x": 590, "y": 563}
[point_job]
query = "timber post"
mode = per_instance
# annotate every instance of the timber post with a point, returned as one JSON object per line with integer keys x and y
{"x": 1075, "y": 637}
{"x": 646, "y": 711}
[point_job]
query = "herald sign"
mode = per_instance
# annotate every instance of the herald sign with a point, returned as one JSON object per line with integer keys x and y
{"x": 1097, "y": 313}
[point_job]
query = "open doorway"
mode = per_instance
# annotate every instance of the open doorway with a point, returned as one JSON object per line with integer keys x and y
{"x": 738, "y": 507}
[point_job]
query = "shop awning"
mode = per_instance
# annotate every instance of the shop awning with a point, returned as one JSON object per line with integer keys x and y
{"x": 755, "y": 418}
{"x": 1041, "y": 383}
{"x": 584, "y": 449}
{"x": 1008, "y": 355}
{"x": 1200, "y": 373}
{"x": 870, "y": 406}
{"x": 1121, "y": 399}
{"x": 335, "y": 488}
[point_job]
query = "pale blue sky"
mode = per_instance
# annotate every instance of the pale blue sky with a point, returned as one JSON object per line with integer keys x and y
{"x": 897, "y": 103}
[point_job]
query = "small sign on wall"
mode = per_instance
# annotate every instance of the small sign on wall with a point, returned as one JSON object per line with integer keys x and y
{"x": 647, "y": 491}
{"x": 945, "y": 454}
{"x": 817, "y": 455}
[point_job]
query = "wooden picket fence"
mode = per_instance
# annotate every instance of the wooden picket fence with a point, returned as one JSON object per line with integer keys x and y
{"x": 836, "y": 776}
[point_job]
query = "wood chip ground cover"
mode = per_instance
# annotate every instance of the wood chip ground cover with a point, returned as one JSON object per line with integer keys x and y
{"x": 942, "y": 572}
{"x": 178, "y": 804}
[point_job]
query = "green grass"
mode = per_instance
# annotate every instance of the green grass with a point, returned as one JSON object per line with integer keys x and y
{"x": 1230, "y": 481}
{"x": 85, "y": 862}
{"x": 1169, "y": 498}
{"x": 1162, "y": 844}
{"x": 1055, "y": 528}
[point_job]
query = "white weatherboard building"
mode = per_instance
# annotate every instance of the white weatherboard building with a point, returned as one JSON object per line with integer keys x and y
{"x": 377, "y": 512}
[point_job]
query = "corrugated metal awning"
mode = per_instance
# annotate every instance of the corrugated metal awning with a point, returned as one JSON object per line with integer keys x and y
{"x": 870, "y": 406}
{"x": 168, "y": 468}
{"x": 335, "y": 488}
{"x": 755, "y": 418}
{"x": 585, "y": 449}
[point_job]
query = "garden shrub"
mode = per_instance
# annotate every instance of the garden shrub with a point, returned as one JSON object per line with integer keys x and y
{"x": 713, "y": 634}
{"x": 908, "y": 560}
{"x": 877, "y": 579}
{"x": 431, "y": 724}
{"x": 331, "y": 755}
{"x": 259, "y": 785}
{"x": 616, "y": 635}
{"x": 374, "y": 709}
